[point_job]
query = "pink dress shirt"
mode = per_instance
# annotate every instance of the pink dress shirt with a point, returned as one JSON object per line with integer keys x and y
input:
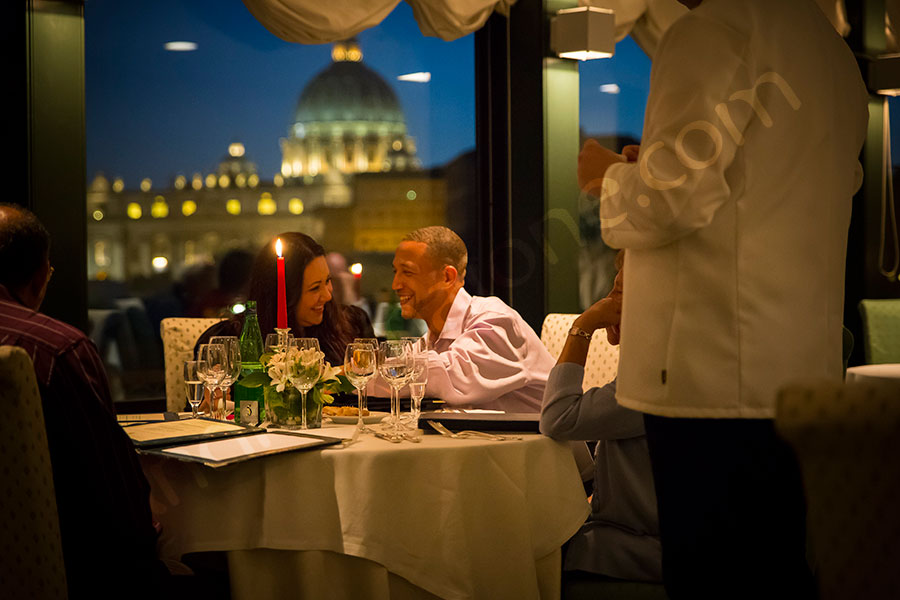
{"x": 486, "y": 356}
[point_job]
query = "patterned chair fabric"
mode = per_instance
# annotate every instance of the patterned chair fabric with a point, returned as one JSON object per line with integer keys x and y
{"x": 881, "y": 325}
{"x": 847, "y": 441}
{"x": 179, "y": 335}
{"x": 602, "y": 360}
{"x": 31, "y": 565}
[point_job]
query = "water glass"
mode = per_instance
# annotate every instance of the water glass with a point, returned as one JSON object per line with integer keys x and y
{"x": 212, "y": 374}
{"x": 305, "y": 366}
{"x": 193, "y": 384}
{"x": 359, "y": 367}
{"x": 395, "y": 365}
{"x": 374, "y": 343}
{"x": 232, "y": 363}
{"x": 272, "y": 346}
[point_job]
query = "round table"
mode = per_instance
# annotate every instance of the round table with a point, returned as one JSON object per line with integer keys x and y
{"x": 880, "y": 372}
{"x": 447, "y": 518}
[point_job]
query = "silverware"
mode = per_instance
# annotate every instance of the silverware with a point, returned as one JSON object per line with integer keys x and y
{"x": 392, "y": 439}
{"x": 468, "y": 434}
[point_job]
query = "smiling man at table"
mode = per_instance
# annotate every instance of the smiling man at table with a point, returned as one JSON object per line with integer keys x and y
{"x": 102, "y": 496}
{"x": 481, "y": 352}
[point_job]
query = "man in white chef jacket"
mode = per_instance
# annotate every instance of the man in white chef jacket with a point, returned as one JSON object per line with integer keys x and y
{"x": 735, "y": 216}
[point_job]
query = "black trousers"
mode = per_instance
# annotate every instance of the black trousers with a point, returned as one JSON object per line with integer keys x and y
{"x": 731, "y": 510}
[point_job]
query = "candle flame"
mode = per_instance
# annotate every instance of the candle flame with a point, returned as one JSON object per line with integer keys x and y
{"x": 278, "y": 247}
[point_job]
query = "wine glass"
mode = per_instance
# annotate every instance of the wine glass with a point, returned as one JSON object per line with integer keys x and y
{"x": 374, "y": 343}
{"x": 272, "y": 346}
{"x": 395, "y": 365}
{"x": 212, "y": 374}
{"x": 418, "y": 343}
{"x": 359, "y": 368}
{"x": 306, "y": 363}
{"x": 417, "y": 380}
{"x": 193, "y": 384}
{"x": 232, "y": 363}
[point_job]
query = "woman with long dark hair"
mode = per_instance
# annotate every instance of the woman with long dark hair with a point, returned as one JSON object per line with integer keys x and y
{"x": 311, "y": 312}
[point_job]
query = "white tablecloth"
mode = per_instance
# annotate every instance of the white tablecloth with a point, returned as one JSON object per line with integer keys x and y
{"x": 455, "y": 518}
{"x": 874, "y": 372}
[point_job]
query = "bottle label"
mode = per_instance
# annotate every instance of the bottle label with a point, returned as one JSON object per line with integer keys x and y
{"x": 249, "y": 412}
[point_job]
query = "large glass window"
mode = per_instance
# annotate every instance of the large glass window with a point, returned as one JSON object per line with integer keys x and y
{"x": 612, "y": 102}
{"x": 207, "y": 135}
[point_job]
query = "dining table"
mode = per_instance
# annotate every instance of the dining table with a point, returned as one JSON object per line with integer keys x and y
{"x": 874, "y": 372}
{"x": 439, "y": 518}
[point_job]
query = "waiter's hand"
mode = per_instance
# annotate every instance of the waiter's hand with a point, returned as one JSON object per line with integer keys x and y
{"x": 593, "y": 161}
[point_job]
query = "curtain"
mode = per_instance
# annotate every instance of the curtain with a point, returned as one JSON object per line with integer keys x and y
{"x": 321, "y": 21}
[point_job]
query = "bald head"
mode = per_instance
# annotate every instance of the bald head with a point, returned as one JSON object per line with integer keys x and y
{"x": 24, "y": 253}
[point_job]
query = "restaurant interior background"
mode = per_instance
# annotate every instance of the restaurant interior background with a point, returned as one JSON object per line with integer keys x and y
{"x": 149, "y": 164}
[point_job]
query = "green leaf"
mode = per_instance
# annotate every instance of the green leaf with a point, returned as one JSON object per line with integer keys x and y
{"x": 255, "y": 379}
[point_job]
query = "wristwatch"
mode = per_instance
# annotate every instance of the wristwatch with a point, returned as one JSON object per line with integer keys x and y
{"x": 576, "y": 330}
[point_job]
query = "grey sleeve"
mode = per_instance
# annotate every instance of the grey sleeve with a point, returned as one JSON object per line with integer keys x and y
{"x": 568, "y": 414}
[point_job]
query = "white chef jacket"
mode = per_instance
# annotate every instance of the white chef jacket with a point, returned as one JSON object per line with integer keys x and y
{"x": 736, "y": 213}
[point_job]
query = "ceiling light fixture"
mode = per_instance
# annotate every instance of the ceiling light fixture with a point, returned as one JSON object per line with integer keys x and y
{"x": 583, "y": 33}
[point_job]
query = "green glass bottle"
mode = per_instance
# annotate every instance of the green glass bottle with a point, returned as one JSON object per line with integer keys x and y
{"x": 249, "y": 406}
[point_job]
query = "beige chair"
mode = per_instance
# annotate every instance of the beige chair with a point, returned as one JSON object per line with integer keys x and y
{"x": 602, "y": 360}
{"x": 179, "y": 335}
{"x": 847, "y": 441}
{"x": 31, "y": 564}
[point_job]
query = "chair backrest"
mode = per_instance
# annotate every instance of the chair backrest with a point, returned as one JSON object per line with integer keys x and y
{"x": 847, "y": 441}
{"x": 31, "y": 559}
{"x": 881, "y": 326}
{"x": 602, "y": 360}
{"x": 179, "y": 335}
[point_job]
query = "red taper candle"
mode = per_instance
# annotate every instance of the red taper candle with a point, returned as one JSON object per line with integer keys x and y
{"x": 282, "y": 303}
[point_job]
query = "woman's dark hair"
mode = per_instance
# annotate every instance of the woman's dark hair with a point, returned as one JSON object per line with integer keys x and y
{"x": 298, "y": 249}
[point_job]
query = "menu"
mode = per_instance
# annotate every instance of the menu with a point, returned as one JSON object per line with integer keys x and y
{"x": 170, "y": 433}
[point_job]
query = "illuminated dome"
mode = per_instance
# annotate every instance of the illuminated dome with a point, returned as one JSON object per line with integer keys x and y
{"x": 348, "y": 120}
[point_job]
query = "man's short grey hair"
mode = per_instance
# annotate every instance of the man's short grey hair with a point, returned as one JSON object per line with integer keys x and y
{"x": 444, "y": 247}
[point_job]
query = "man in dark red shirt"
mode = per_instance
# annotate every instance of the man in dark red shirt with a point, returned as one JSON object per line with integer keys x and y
{"x": 102, "y": 495}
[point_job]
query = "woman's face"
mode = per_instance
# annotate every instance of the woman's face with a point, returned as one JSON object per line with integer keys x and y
{"x": 316, "y": 292}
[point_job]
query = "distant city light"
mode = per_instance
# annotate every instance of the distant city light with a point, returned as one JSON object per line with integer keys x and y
{"x": 188, "y": 207}
{"x": 134, "y": 210}
{"x": 146, "y": 184}
{"x": 160, "y": 263}
{"x": 296, "y": 206}
{"x": 236, "y": 149}
{"x": 118, "y": 185}
{"x": 356, "y": 269}
{"x": 411, "y": 195}
{"x": 98, "y": 215}
{"x": 417, "y": 77}
{"x": 610, "y": 88}
{"x": 180, "y": 46}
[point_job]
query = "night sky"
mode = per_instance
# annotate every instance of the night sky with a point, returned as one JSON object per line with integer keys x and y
{"x": 154, "y": 113}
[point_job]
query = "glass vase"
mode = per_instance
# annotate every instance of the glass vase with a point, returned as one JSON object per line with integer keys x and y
{"x": 283, "y": 409}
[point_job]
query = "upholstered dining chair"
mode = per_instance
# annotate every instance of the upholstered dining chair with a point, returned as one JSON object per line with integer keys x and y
{"x": 31, "y": 565}
{"x": 179, "y": 335}
{"x": 602, "y": 360}
{"x": 881, "y": 330}
{"x": 847, "y": 441}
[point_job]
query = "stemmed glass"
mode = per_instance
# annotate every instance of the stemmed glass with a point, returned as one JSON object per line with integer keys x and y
{"x": 193, "y": 384}
{"x": 212, "y": 374}
{"x": 395, "y": 365}
{"x": 417, "y": 380}
{"x": 272, "y": 346}
{"x": 306, "y": 365}
{"x": 359, "y": 368}
{"x": 232, "y": 364}
{"x": 374, "y": 343}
